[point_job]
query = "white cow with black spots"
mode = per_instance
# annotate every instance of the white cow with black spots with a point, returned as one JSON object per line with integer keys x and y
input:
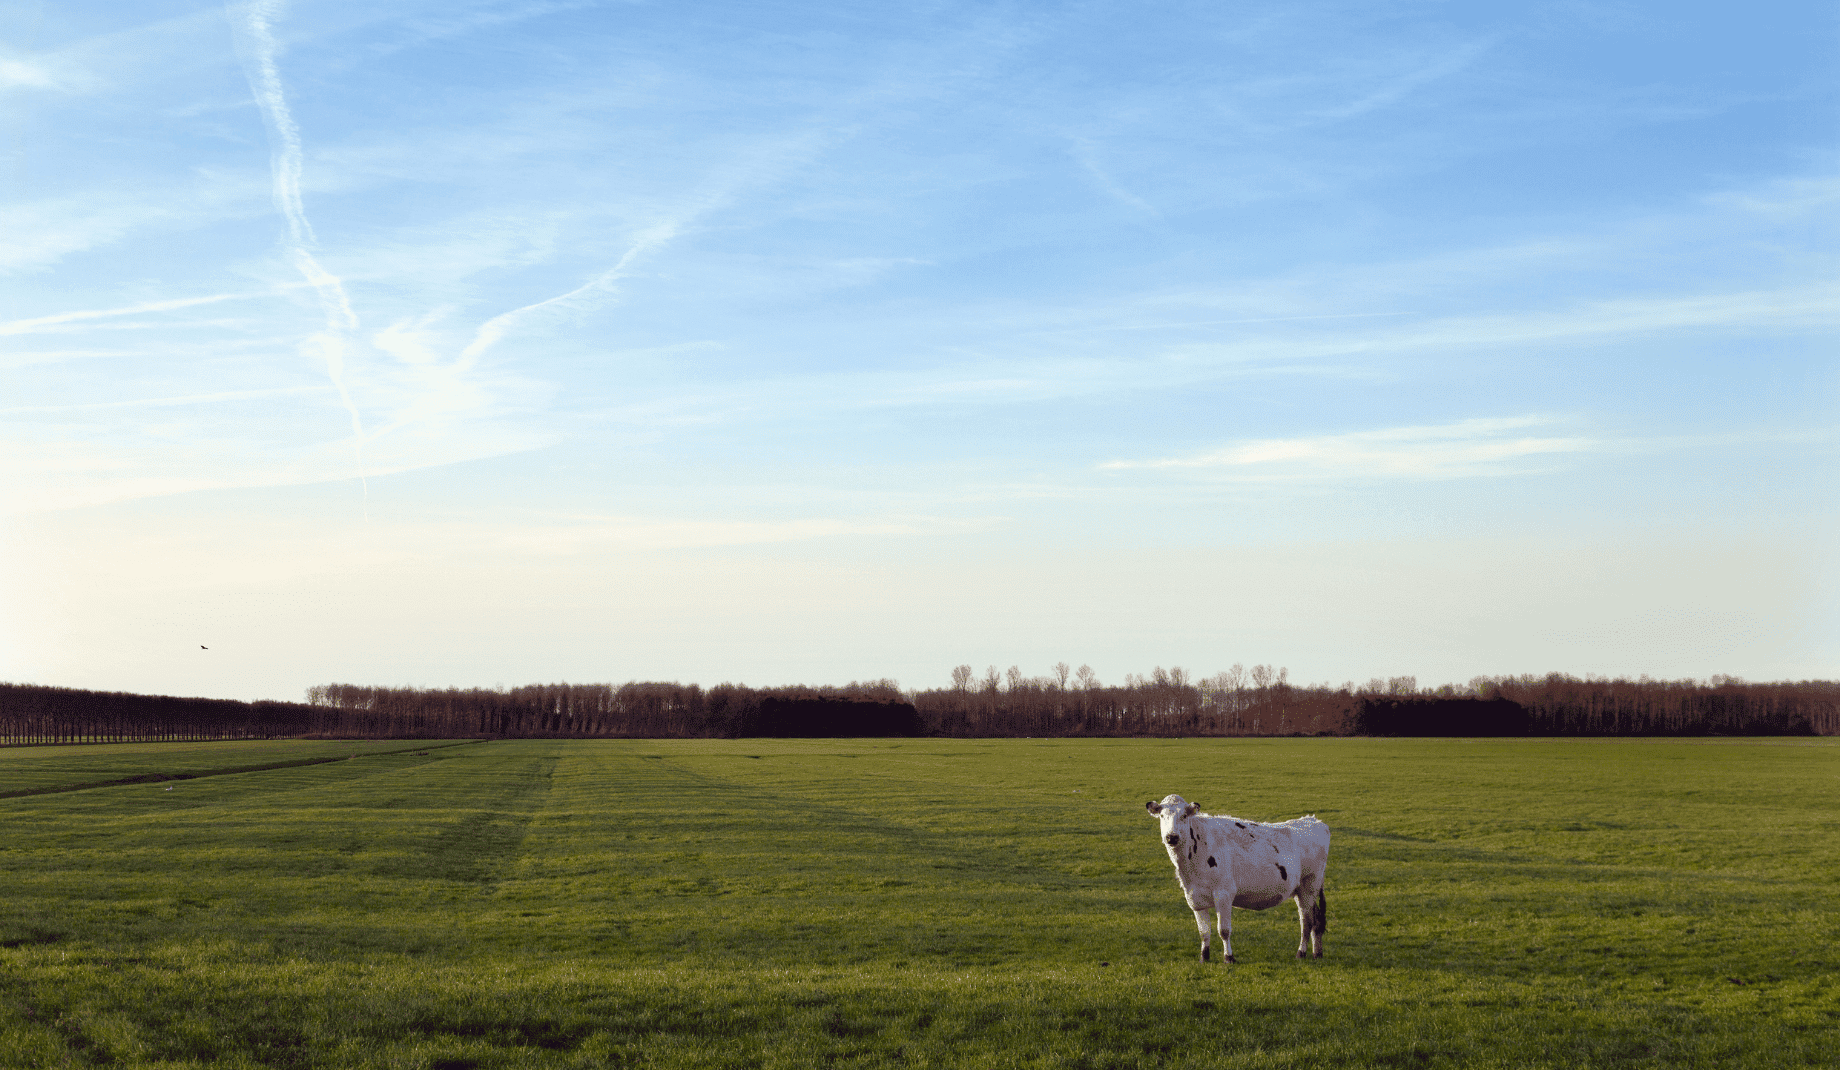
{"x": 1226, "y": 862}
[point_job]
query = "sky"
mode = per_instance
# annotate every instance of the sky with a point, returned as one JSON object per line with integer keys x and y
{"x": 475, "y": 343}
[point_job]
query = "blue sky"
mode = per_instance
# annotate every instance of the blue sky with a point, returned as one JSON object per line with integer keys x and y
{"x": 468, "y": 342}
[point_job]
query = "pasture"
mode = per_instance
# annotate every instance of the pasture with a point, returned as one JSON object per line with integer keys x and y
{"x": 44, "y": 770}
{"x": 895, "y": 903}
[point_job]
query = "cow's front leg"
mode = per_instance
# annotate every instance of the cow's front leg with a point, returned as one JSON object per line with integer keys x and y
{"x": 1306, "y": 922}
{"x": 1223, "y": 910}
{"x": 1201, "y": 922}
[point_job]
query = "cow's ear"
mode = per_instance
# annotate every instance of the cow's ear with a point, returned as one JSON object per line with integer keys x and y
{"x": 1192, "y": 808}
{"x": 1154, "y": 807}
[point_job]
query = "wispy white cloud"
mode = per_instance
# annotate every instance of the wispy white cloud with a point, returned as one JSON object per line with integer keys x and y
{"x": 1799, "y": 306}
{"x": 412, "y": 340}
{"x": 498, "y": 326}
{"x": 1082, "y": 354}
{"x": 1359, "y": 344}
{"x": 651, "y": 533}
{"x": 427, "y": 391}
{"x": 72, "y": 465}
{"x": 213, "y": 398}
{"x": 207, "y": 342}
{"x": 31, "y": 74}
{"x": 42, "y": 233}
{"x": 435, "y": 410}
{"x": 1087, "y": 154}
{"x": 22, "y": 358}
{"x": 39, "y": 324}
{"x": 432, "y": 393}
{"x": 1787, "y": 199}
{"x": 1478, "y": 447}
{"x": 446, "y": 23}
{"x": 1395, "y": 86}
{"x": 105, "y": 61}
{"x": 257, "y": 40}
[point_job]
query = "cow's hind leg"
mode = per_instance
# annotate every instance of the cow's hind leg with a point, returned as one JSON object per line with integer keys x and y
{"x": 1312, "y": 918}
{"x": 1321, "y": 917}
{"x": 1201, "y": 922}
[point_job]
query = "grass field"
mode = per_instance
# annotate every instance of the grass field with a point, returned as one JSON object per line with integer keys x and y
{"x": 1004, "y": 903}
{"x": 41, "y": 770}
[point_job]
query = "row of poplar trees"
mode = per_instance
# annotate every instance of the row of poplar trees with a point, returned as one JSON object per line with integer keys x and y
{"x": 1261, "y": 702}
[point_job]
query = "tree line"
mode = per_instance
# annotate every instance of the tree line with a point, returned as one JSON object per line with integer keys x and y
{"x": 1561, "y": 705}
{"x": 1239, "y": 702}
{"x": 1263, "y": 702}
{"x": 636, "y": 710}
{"x": 32, "y": 713}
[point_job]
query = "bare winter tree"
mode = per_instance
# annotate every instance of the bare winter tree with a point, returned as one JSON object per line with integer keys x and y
{"x": 1088, "y": 679}
{"x": 1178, "y": 676}
{"x": 992, "y": 679}
{"x": 1061, "y": 669}
{"x": 1014, "y": 677}
{"x": 1225, "y": 692}
{"x": 1261, "y": 676}
{"x": 1229, "y": 687}
{"x": 961, "y": 678}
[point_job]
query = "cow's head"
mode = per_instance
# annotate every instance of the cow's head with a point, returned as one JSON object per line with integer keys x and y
{"x": 1171, "y": 812}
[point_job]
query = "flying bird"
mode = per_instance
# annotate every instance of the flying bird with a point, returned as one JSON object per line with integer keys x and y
{"x": 201, "y": 646}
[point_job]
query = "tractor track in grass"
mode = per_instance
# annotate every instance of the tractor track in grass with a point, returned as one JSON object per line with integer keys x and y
{"x": 160, "y": 778}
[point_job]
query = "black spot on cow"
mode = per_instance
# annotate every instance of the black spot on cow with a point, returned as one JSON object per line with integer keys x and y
{"x": 1210, "y": 861}
{"x": 1241, "y": 824}
{"x": 1283, "y": 876}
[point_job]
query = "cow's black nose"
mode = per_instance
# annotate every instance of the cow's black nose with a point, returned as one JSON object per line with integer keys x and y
{"x": 1172, "y": 839}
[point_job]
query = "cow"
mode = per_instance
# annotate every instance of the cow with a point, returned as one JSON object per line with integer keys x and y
{"x": 1226, "y": 862}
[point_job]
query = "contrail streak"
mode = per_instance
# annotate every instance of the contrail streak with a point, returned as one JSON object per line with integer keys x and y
{"x": 495, "y": 328}
{"x": 43, "y": 323}
{"x": 256, "y": 43}
{"x": 187, "y": 399}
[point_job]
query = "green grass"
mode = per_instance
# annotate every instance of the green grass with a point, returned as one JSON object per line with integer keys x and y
{"x": 41, "y": 770}
{"x": 1510, "y": 903}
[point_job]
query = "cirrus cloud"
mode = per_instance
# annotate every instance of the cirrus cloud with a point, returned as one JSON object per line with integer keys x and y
{"x": 1476, "y": 447}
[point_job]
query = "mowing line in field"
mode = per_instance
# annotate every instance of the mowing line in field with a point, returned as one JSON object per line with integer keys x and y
{"x": 158, "y": 778}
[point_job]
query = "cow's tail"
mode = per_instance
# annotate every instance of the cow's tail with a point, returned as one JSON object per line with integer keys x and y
{"x": 1322, "y": 912}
